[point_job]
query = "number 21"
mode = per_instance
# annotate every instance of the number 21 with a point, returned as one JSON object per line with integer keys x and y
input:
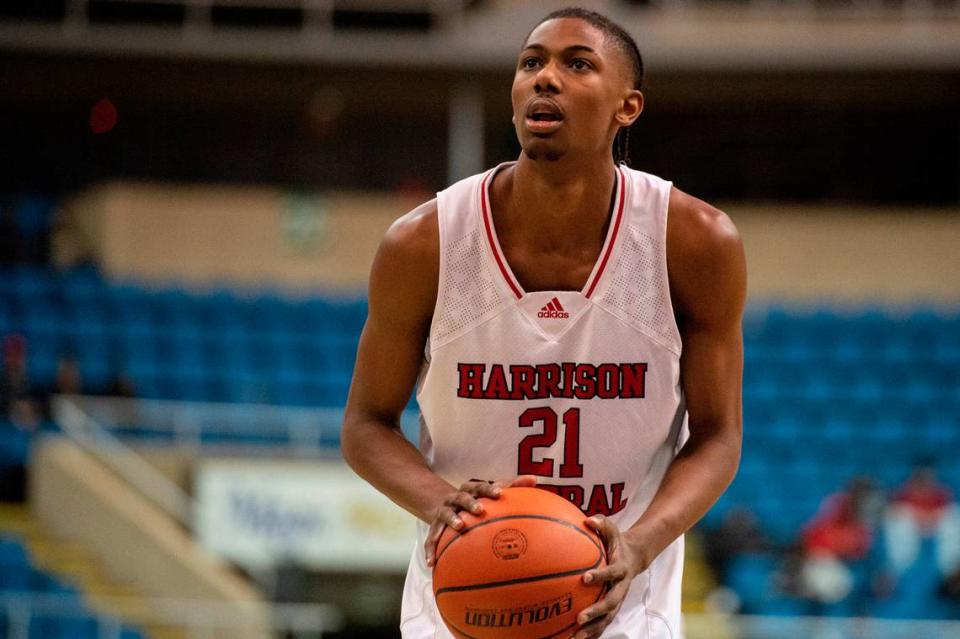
{"x": 571, "y": 466}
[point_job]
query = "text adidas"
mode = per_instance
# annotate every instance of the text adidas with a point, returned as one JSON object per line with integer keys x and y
{"x": 554, "y": 314}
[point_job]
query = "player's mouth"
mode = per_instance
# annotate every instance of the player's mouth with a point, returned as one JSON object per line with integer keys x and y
{"x": 544, "y": 116}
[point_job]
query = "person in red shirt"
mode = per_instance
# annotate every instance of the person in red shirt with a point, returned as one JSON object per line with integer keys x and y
{"x": 840, "y": 528}
{"x": 924, "y": 497}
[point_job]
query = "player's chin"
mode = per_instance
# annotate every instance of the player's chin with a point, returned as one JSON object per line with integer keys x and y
{"x": 543, "y": 148}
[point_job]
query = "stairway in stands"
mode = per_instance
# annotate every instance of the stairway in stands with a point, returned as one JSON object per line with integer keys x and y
{"x": 72, "y": 564}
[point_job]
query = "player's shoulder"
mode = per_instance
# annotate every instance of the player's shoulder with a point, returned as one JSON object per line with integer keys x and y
{"x": 705, "y": 261}
{"x": 414, "y": 235}
{"x": 406, "y": 268}
{"x": 699, "y": 231}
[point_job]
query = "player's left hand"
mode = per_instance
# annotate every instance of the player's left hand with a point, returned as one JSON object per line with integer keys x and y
{"x": 621, "y": 568}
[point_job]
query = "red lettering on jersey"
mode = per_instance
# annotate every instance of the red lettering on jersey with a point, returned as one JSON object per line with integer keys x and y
{"x": 471, "y": 380}
{"x": 572, "y": 493}
{"x": 523, "y": 377}
{"x": 633, "y": 380}
{"x": 497, "y": 384}
{"x": 568, "y": 373}
{"x": 604, "y": 500}
{"x": 566, "y": 380}
{"x": 608, "y": 381}
{"x": 599, "y": 505}
{"x": 585, "y": 380}
{"x": 549, "y": 380}
{"x": 616, "y": 494}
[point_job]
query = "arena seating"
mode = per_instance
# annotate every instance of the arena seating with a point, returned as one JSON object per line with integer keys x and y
{"x": 829, "y": 396}
{"x": 827, "y": 392}
{"x": 218, "y": 347}
{"x": 19, "y": 576}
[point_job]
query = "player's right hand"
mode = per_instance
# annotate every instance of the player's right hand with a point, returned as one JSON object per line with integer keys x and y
{"x": 466, "y": 499}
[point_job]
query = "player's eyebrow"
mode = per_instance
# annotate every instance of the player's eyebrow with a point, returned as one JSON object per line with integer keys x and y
{"x": 570, "y": 49}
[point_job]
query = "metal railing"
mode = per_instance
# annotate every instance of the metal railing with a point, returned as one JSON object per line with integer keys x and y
{"x": 199, "y": 619}
{"x": 252, "y": 428}
{"x": 106, "y": 427}
{"x": 317, "y": 15}
{"x": 207, "y": 620}
{"x": 684, "y": 33}
{"x": 707, "y": 626}
{"x": 88, "y": 433}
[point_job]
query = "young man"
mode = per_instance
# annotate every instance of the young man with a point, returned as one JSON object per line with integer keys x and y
{"x": 570, "y": 323}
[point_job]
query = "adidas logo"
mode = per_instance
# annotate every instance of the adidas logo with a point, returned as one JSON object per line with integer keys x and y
{"x": 553, "y": 310}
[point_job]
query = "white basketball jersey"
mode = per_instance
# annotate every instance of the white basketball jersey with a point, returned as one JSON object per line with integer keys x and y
{"x": 580, "y": 388}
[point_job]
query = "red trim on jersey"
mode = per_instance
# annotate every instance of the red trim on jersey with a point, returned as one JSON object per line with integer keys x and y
{"x": 613, "y": 235}
{"x": 488, "y": 225}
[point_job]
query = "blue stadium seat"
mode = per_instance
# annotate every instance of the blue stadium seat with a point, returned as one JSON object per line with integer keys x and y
{"x": 750, "y": 575}
{"x": 12, "y": 554}
{"x": 14, "y": 446}
{"x": 30, "y": 282}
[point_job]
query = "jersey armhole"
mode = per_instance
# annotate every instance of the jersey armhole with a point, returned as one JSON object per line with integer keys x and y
{"x": 664, "y": 214}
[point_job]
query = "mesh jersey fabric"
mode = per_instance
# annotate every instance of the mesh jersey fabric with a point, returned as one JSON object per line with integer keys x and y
{"x": 603, "y": 361}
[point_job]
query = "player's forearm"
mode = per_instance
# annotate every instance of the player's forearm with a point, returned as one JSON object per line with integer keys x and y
{"x": 381, "y": 455}
{"x": 695, "y": 480}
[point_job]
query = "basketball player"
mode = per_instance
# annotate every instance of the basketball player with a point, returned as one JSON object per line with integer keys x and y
{"x": 569, "y": 322}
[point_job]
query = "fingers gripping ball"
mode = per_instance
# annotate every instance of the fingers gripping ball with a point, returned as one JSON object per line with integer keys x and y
{"x": 516, "y": 571}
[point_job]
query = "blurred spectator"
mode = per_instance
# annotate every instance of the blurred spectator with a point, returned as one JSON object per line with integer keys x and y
{"x": 69, "y": 381}
{"x": 836, "y": 545}
{"x": 14, "y": 384}
{"x": 738, "y": 534}
{"x": 842, "y": 527}
{"x": 20, "y": 418}
{"x": 16, "y": 431}
{"x": 787, "y": 579}
{"x": 922, "y": 509}
{"x": 25, "y": 415}
{"x": 122, "y": 386}
{"x": 923, "y": 498}
{"x": 950, "y": 590}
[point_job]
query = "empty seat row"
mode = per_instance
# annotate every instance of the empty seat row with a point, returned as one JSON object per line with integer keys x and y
{"x": 74, "y": 621}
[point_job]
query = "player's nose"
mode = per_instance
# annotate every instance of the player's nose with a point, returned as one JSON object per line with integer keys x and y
{"x": 548, "y": 79}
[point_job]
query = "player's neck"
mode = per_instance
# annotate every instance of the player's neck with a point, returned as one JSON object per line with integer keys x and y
{"x": 556, "y": 200}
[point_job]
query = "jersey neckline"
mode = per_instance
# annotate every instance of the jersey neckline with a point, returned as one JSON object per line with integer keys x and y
{"x": 506, "y": 271}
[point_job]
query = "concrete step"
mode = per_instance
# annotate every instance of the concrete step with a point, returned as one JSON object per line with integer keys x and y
{"x": 74, "y": 564}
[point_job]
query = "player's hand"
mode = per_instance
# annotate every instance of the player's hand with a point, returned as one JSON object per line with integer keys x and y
{"x": 616, "y": 576}
{"x": 466, "y": 499}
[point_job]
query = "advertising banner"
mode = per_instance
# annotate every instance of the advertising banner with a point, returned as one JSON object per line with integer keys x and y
{"x": 259, "y": 514}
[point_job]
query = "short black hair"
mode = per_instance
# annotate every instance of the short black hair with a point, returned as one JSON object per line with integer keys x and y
{"x": 623, "y": 41}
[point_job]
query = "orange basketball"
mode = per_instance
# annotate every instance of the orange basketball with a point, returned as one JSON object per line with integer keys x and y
{"x": 516, "y": 571}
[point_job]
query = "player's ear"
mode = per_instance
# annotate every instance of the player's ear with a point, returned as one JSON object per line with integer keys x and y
{"x": 630, "y": 108}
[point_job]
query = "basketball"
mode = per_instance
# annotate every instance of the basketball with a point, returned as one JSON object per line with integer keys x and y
{"x": 516, "y": 571}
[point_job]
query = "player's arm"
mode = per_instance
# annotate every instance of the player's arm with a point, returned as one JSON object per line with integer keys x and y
{"x": 707, "y": 272}
{"x": 708, "y": 285}
{"x": 402, "y": 296}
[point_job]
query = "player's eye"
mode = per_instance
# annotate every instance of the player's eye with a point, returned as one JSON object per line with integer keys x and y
{"x": 529, "y": 63}
{"x": 580, "y": 64}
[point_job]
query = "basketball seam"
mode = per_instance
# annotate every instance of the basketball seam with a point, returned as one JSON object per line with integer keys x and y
{"x": 507, "y": 517}
{"x": 518, "y": 580}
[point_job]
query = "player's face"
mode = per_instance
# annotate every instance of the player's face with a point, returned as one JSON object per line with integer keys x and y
{"x": 571, "y": 92}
